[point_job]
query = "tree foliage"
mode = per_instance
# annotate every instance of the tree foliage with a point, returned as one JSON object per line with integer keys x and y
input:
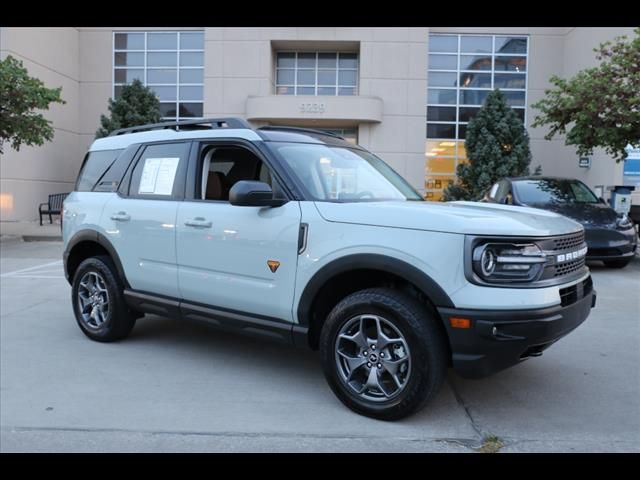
{"x": 21, "y": 96}
{"x": 599, "y": 106}
{"x": 497, "y": 146}
{"x": 136, "y": 105}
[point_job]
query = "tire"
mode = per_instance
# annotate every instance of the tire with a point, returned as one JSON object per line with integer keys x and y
{"x": 107, "y": 320}
{"x": 419, "y": 364}
{"x": 617, "y": 263}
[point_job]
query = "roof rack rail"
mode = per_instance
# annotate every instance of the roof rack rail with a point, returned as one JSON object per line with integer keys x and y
{"x": 202, "y": 124}
{"x": 301, "y": 130}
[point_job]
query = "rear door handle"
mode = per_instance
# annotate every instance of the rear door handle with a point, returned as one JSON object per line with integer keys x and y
{"x": 198, "y": 222}
{"x": 121, "y": 217}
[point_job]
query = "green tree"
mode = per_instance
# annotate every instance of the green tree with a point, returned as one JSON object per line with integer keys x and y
{"x": 20, "y": 97}
{"x": 599, "y": 106}
{"x": 136, "y": 105}
{"x": 497, "y": 146}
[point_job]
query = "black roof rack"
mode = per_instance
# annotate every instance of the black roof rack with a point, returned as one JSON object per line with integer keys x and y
{"x": 301, "y": 130}
{"x": 202, "y": 124}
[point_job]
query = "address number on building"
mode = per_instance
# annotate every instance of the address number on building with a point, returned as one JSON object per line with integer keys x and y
{"x": 312, "y": 108}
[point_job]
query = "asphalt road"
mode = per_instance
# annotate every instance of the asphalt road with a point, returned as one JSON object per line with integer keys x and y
{"x": 176, "y": 387}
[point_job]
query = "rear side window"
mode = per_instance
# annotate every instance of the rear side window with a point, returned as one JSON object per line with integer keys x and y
{"x": 94, "y": 167}
{"x": 160, "y": 172}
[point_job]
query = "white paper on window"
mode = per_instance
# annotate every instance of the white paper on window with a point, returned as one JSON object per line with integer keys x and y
{"x": 158, "y": 175}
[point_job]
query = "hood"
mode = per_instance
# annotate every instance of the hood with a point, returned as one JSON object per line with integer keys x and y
{"x": 591, "y": 215}
{"x": 453, "y": 217}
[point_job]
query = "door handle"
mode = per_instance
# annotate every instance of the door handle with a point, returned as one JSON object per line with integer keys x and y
{"x": 198, "y": 222}
{"x": 121, "y": 217}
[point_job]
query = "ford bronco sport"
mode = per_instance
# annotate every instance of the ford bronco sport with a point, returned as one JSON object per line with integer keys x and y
{"x": 302, "y": 237}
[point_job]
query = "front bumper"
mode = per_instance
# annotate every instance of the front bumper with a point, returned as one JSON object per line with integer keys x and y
{"x": 609, "y": 244}
{"x": 500, "y": 339}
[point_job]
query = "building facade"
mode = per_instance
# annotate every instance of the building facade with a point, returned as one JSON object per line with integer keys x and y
{"x": 406, "y": 94}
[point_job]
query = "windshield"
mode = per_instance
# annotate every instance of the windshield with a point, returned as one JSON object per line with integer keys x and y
{"x": 341, "y": 174}
{"x": 546, "y": 191}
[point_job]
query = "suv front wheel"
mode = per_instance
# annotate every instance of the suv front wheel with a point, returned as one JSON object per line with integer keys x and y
{"x": 98, "y": 301}
{"x": 383, "y": 354}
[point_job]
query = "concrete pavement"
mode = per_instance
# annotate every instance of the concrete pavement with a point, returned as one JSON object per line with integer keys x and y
{"x": 175, "y": 386}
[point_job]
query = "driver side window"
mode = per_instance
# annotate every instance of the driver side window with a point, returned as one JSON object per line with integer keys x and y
{"x": 224, "y": 166}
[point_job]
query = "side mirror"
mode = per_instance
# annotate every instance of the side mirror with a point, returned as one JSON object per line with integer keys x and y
{"x": 601, "y": 200}
{"x": 249, "y": 193}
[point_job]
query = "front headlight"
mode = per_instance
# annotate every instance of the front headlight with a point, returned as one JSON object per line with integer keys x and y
{"x": 508, "y": 262}
{"x": 623, "y": 222}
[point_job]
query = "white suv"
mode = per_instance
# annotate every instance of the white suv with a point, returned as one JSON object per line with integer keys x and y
{"x": 302, "y": 237}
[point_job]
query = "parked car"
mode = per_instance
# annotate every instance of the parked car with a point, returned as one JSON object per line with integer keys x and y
{"x": 300, "y": 236}
{"x": 611, "y": 237}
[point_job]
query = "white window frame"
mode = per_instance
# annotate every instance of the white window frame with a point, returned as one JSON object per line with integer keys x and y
{"x": 457, "y": 89}
{"x": 295, "y": 85}
{"x": 145, "y": 68}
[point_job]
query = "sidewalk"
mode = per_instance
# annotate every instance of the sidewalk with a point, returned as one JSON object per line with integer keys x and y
{"x": 31, "y": 231}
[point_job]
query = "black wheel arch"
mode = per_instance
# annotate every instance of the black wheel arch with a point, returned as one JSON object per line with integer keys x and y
{"x": 366, "y": 263}
{"x": 86, "y": 243}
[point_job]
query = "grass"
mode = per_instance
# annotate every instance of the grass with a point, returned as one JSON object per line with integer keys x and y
{"x": 491, "y": 444}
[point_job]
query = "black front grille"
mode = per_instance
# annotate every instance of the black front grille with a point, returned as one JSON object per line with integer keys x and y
{"x": 572, "y": 294}
{"x": 569, "y": 267}
{"x": 568, "y": 242}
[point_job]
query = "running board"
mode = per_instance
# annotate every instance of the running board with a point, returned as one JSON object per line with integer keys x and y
{"x": 218, "y": 317}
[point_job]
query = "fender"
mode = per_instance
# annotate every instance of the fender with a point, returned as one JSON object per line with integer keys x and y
{"x": 95, "y": 237}
{"x": 424, "y": 282}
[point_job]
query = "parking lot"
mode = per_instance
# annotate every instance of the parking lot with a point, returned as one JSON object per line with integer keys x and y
{"x": 175, "y": 386}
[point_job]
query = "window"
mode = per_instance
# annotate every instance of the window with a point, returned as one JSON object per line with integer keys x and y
{"x": 463, "y": 69}
{"x": 546, "y": 191}
{"x": 316, "y": 73}
{"x": 159, "y": 172}
{"x": 94, "y": 168}
{"x": 224, "y": 166}
{"x": 338, "y": 174}
{"x": 170, "y": 63}
{"x": 349, "y": 134}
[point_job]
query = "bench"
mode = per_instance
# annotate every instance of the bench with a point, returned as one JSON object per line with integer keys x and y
{"x": 53, "y": 206}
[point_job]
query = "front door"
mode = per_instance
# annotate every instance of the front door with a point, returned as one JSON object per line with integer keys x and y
{"x": 236, "y": 258}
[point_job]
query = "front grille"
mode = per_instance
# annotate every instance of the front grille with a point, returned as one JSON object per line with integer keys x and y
{"x": 569, "y": 267}
{"x": 572, "y": 294}
{"x": 568, "y": 242}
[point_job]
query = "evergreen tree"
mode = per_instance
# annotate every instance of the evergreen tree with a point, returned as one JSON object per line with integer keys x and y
{"x": 497, "y": 146}
{"x": 136, "y": 105}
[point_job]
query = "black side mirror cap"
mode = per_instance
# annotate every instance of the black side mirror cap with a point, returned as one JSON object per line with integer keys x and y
{"x": 250, "y": 193}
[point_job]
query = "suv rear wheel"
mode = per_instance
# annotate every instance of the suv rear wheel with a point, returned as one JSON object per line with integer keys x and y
{"x": 383, "y": 354}
{"x": 98, "y": 301}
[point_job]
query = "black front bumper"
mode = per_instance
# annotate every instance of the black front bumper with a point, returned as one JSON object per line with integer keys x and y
{"x": 609, "y": 244}
{"x": 499, "y": 339}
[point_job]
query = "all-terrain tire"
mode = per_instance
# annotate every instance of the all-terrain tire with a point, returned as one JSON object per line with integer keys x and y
{"x": 402, "y": 316}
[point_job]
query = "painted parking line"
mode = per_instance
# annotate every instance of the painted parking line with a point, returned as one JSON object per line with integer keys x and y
{"x": 37, "y": 276}
{"x": 30, "y": 269}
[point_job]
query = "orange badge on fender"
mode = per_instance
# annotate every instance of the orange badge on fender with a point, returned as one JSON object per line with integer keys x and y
{"x": 273, "y": 265}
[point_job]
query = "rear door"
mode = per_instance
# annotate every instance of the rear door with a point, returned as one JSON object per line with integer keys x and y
{"x": 140, "y": 220}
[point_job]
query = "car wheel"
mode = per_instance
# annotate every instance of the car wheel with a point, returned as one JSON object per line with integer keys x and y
{"x": 383, "y": 353}
{"x": 98, "y": 301}
{"x": 617, "y": 263}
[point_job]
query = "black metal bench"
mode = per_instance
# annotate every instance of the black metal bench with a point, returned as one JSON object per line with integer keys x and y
{"x": 53, "y": 206}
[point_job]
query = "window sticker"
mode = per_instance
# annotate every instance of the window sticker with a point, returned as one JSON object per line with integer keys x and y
{"x": 158, "y": 175}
